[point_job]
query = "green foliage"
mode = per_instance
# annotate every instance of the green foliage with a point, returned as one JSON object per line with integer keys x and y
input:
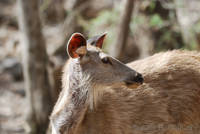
{"x": 106, "y": 21}
{"x": 162, "y": 22}
{"x": 152, "y": 6}
{"x": 156, "y": 21}
{"x": 136, "y": 22}
{"x": 168, "y": 40}
{"x": 44, "y": 5}
{"x": 196, "y": 27}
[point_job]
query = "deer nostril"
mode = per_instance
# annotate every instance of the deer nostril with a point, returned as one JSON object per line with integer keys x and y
{"x": 138, "y": 78}
{"x": 134, "y": 80}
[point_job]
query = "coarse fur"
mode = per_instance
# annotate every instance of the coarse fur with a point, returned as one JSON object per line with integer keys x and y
{"x": 172, "y": 80}
{"x": 167, "y": 103}
{"x": 84, "y": 83}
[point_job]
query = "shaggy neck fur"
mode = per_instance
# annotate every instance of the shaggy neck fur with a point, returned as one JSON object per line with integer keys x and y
{"x": 77, "y": 96}
{"x": 82, "y": 83}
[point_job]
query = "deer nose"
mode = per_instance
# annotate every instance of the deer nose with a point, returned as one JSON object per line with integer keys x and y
{"x": 138, "y": 78}
{"x": 135, "y": 79}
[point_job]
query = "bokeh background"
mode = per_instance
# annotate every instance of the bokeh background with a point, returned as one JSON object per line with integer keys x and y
{"x": 34, "y": 34}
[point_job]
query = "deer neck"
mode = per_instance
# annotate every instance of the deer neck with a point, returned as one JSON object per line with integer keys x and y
{"x": 77, "y": 96}
{"x": 84, "y": 86}
{"x": 77, "y": 88}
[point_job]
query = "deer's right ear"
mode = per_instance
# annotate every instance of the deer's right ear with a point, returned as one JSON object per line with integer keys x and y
{"x": 76, "y": 46}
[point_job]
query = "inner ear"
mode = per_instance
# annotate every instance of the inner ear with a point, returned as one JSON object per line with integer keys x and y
{"x": 76, "y": 46}
{"x": 97, "y": 40}
{"x": 100, "y": 40}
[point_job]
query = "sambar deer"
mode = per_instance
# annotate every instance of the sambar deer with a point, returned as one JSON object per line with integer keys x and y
{"x": 99, "y": 94}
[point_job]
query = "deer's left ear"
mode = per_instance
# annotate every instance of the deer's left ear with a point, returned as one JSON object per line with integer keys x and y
{"x": 97, "y": 40}
{"x": 76, "y": 46}
{"x": 100, "y": 40}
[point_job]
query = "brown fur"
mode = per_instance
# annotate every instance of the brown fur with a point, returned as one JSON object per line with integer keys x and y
{"x": 167, "y": 103}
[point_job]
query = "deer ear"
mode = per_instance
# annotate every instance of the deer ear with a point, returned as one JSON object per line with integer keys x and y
{"x": 100, "y": 40}
{"x": 76, "y": 46}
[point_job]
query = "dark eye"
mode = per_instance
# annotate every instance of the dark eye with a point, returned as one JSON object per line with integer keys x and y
{"x": 106, "y": 60}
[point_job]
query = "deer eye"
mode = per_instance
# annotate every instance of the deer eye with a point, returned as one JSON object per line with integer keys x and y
{"x": 106, "y": 60}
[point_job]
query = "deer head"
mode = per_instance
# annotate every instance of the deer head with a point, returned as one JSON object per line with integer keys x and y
{"x": 100, "y": 67}
{"x": 87, "y": 74}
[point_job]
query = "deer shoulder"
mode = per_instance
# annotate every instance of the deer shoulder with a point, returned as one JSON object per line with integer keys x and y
{"x": 101, "y": 95}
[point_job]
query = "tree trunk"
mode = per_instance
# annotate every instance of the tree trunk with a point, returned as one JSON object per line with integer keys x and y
{"x": 34, "y": 67}
{"x": 53, "y": 11}
{"x": 187, "y": 12}
{"x": 123, "y": 29}
{"x": 71, "y": 25}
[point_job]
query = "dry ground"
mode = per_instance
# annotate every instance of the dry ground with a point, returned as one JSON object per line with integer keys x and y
{"x": 12, "y": 106}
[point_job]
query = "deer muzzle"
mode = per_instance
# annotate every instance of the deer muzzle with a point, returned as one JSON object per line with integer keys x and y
{"x": 134, "y": 81}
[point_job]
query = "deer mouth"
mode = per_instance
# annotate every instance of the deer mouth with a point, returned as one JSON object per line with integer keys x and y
{"x": 135, "y": 81}
{"x": 131, "y": 84}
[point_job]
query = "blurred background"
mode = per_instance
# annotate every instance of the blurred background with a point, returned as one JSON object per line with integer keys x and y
{"x": 34, "y": 33}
